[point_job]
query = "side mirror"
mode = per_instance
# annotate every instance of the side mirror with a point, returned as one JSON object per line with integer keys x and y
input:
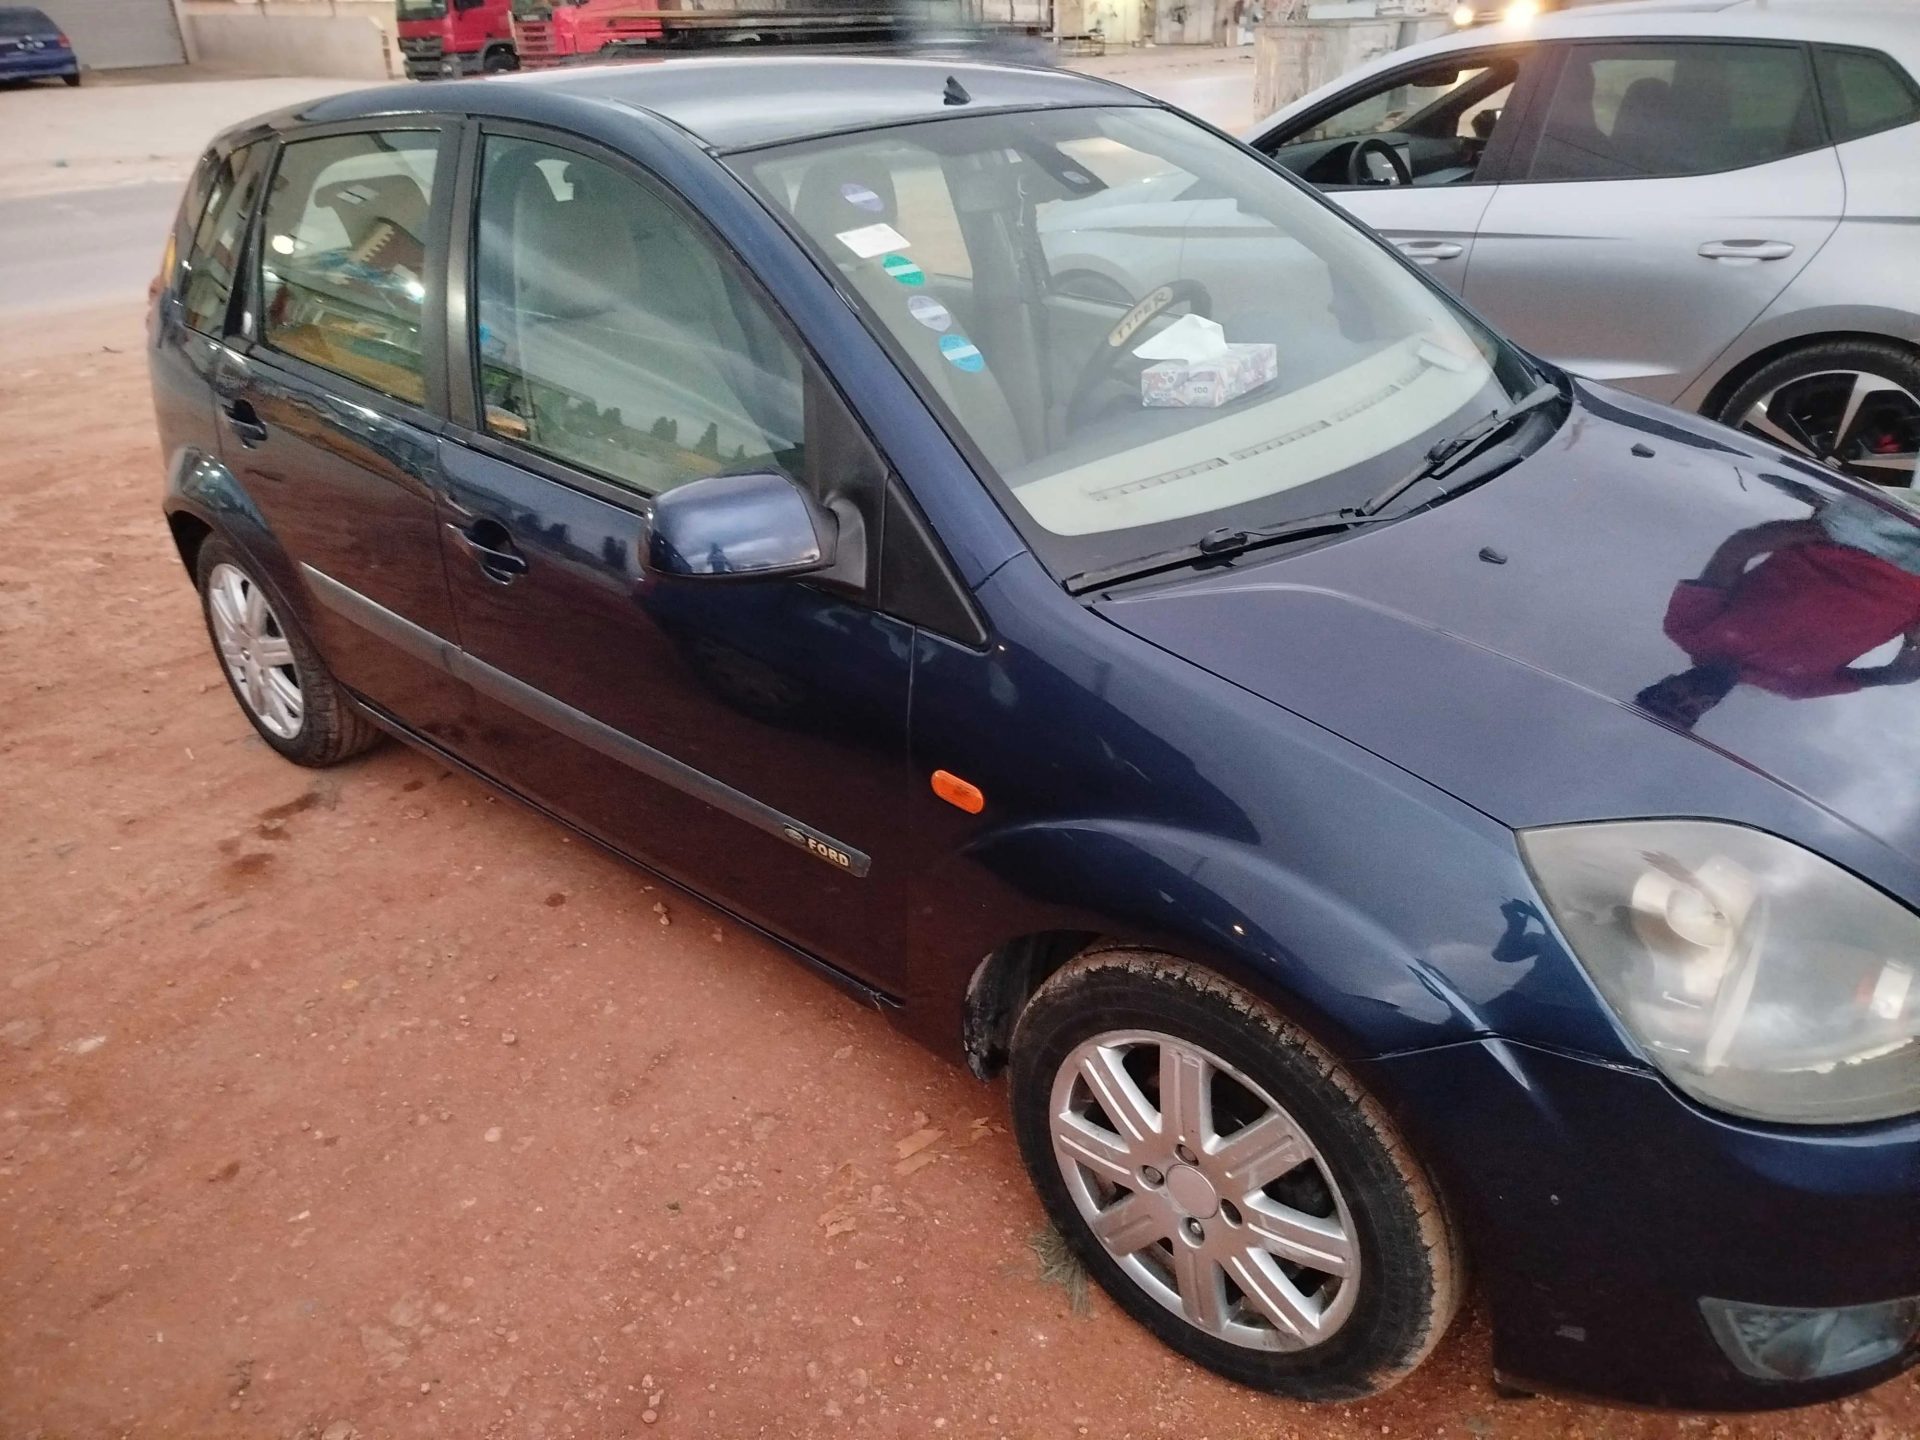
{"x": 740, "y": 527}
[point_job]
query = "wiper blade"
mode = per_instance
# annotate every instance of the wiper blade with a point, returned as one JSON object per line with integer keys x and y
{"x": 1456, "y": 450}
{"x": 1222, "y": 544}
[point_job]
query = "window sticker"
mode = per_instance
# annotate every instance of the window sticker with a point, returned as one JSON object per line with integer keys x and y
{"x": 861, "y": 198}
{"x": 962, "y": 354}
{"x": 904, "y": 270}
{"x": 930, "y": 312}
{"x": 871, "y": 240}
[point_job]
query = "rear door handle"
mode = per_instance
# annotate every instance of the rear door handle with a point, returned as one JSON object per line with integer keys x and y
{"x": 1429, "y": 252}
{"x": 1746, "y": 251}
{"x": 492, "y": 549}
{"x": 245, "y": 422}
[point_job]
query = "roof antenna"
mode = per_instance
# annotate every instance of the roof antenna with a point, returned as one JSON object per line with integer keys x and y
{"x": 955, "y": 93}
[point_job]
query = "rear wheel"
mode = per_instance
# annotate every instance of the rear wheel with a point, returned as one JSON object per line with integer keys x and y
{"x": 282, "y": 685}
{"x": 1851, "y": 405}
{"x": 1226, "y": 1181}
{"x": 499, "y": 61}
{"x": 72, "y": 80}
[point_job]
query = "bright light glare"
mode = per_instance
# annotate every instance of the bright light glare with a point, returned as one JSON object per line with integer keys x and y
{"x": 1463, "y": 15}
{"x": 1519, "y": 12}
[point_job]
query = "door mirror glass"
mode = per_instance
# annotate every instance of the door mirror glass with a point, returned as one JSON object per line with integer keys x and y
{"x": 757, "y": 526}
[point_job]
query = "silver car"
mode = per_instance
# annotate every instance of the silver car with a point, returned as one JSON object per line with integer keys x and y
{"x": 1715, "y": 204}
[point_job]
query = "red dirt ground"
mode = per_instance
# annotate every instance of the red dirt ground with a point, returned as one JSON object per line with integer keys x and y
{"x": 367, "y": 1104}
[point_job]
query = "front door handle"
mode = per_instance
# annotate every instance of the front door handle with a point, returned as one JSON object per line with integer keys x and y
{"x": 492, "y": 549}
{"x": 1429, "y": 252}
{"x": 1745, "y": 251}
{"x": 244, "y": 421}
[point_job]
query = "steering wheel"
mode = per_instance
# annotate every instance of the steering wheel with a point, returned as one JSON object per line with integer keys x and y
{"x": 1359, "y": 172}
{"x": 1118, "y": 344}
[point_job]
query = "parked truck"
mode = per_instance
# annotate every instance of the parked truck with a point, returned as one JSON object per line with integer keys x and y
{"x": 563, "y": 32}
{"x": 456, "y": 37}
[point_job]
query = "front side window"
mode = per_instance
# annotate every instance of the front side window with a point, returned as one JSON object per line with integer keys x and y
{"x": 1865, "y": 93}
{"x": 1650, "y": 109}
{"x": 343, "y": 263}
{"x": 213, "y": 257}
{"x": 1440, "y": 119}
{"x": 613, "y": 335}
{"x": 1290, "y": 362}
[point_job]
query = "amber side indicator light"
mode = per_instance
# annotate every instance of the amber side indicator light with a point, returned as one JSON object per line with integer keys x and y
{"x": 958, "y": 793}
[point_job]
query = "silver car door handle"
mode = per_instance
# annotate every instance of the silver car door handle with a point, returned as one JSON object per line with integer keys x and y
{"x": 1746, "y": 250}
{"x": 1429, "y": 252}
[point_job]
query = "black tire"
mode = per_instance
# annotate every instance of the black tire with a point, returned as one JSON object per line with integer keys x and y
{"x": 499, "y": 62}
{"x": 331, "y": 728}
{"x": 1800, "y": 405}
{"x": 72, "y": 80}
{"x": 1410, "y": 1272}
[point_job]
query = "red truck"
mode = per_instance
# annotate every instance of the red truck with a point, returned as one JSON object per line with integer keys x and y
{"x": 456, "y": 37}
{"x": 566, "y": 32}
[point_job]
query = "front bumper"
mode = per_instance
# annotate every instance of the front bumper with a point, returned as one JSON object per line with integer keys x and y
{"x": 1601, "y": 1209}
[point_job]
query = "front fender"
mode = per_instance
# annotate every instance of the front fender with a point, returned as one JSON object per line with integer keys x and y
{"x": 1380, "y": 913}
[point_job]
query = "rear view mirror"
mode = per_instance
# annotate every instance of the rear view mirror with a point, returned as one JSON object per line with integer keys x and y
{"x": 740, "y": 527}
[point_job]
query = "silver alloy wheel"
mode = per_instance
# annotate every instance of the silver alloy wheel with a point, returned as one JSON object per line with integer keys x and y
{"x": 1206, "y": 1192}
{"x": 1851, "y": 420}
{"x": 255, "y": 649}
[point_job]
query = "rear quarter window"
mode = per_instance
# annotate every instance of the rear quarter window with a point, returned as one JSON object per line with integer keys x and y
{"x": 1865, "y": 92}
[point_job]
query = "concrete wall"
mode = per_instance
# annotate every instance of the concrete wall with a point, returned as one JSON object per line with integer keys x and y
{"x": 1296, "y": 51}
{"x": 350, "y": 40}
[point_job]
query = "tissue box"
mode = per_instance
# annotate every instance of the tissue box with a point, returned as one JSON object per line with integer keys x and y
{"x": 1209, "y": 382}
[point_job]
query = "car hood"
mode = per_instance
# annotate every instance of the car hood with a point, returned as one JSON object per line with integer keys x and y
{"x": 1651, "y": 615}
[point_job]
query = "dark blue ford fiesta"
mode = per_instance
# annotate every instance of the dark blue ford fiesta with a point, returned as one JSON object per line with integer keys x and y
{"x": 1392, "y": 809}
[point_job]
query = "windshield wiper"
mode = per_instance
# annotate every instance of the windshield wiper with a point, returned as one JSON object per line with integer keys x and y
{"x": 1222, "y": 544}
{"x": 1450, "y": 454}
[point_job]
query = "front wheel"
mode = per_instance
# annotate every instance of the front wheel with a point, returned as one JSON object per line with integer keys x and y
{"x": 1226, "y": 1180}
{"x": 1851, "y": 405}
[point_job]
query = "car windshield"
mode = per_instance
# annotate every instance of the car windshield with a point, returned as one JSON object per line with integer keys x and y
{"x": 421, "y": 9}
{"x": 1141, "y": 332}
{"x": 19, "y": 20}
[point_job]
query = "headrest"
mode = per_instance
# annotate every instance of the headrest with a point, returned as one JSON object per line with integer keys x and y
{"x": 363, "y": 204}
{"x": 577, "y": 257}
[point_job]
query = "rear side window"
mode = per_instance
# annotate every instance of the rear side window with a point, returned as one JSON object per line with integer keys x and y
{"x": 213, "y": 257}
{"x": 22, "y": 20}
{"x": 1865, "y": 93}
{"x": 343, "y": 263}
{"x": 1650, "y": 109}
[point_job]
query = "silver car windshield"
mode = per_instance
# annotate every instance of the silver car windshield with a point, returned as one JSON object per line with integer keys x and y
{"x": 1138, "y": 328}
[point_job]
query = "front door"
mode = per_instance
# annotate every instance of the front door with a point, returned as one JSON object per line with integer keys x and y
{"x": 1447, "y": 123}
{"x": 325, "y": 413}
{"x": 746, "y": 738}
{"x": 1671, "y": 192}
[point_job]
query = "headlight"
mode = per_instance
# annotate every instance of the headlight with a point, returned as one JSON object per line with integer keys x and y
{"x": 1521, "y": 12}
{"x": 1760, "y": 978}
{"x": 1464, "y": 15}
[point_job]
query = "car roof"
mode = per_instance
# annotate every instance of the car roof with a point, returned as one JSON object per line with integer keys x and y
{"x": 734, "y": 102}
{"x": 1890, "y": 26}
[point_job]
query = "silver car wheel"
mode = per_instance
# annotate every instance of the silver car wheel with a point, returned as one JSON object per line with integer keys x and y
{"x": 1204, "y": 1190}
{"x": 1851, "y": 420}
{"x": 256, "y": 650}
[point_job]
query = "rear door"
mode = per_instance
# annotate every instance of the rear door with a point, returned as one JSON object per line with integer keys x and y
{"x": 711, "y": 730}
{"x": 328, "y": 408}
{"x": 1670, "y": 191}
{"x": 1450, "y": 119}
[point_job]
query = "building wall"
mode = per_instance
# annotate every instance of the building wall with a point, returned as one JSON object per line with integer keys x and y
{"x": 353, "y": 39}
